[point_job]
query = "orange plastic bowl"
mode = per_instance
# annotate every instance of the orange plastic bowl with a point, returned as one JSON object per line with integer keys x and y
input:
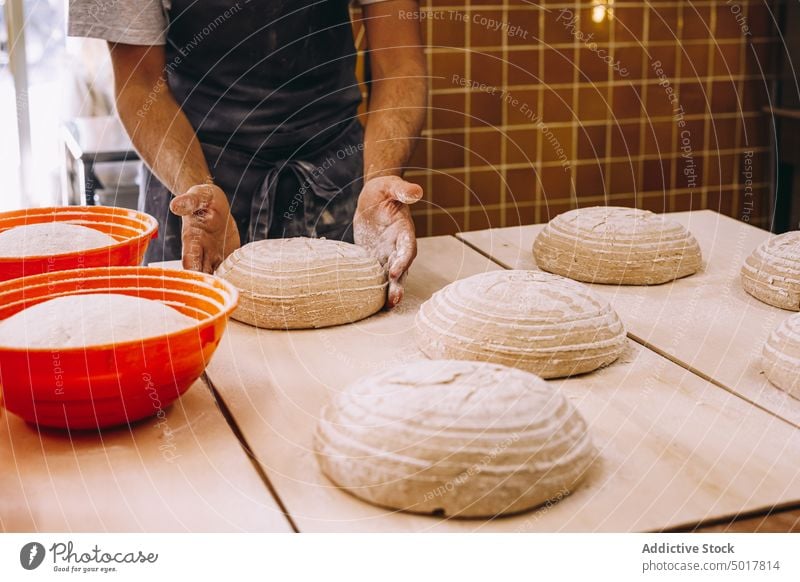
{"x": 108, "y": 385}
{"x": 132, "y": 230}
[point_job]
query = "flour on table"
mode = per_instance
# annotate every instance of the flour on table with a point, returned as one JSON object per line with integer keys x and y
{"x": 76, "y": 321}
{"x": 51, "y": 238}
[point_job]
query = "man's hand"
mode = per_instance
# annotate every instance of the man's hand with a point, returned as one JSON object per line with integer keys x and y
{"x": 166, "y": 142}
{"x": 383, "y": 226}
{"x": 209, "y": 233}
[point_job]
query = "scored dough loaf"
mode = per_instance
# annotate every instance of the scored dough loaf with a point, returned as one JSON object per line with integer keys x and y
{"x": 51, "y": 238}
{"x": 76, "y": 321}
{"x": 781, "y": 356}
{"x": 299, "y": 283}
{"x": 536, "y": 321}
{"x": 464, "y": 439}
{"x": 616, "y": 245}
{"x": 772, "y": 272}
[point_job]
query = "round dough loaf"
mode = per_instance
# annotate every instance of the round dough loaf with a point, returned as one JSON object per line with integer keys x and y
{"x": 464, "y": 439}
{"x": 299, "y": 283}
{"x": 621, "y": 246}
{"x": 51, "y": 238}
{"x": 77, "y": 321}
{"x": 772, "y": 272}
{"x": 781, "y": 356}
{"x": 532, "y": 320}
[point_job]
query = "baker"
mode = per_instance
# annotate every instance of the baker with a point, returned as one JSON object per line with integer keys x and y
{"x": 245, "y": 114}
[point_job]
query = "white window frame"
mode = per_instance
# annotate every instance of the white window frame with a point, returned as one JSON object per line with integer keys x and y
{"x": 18, "y": 66}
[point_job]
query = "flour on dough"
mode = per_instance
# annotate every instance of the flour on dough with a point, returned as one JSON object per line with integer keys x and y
{"x": 465, "y": 439}
{"x": 299, "y": 283}
{"x": 616, "y": 245}
{"x": 76, "y": 321}
{"x": 772, "y": 272}
{"x": 532, "y": 320}
{"x": 51, "y": 238}
{"x": 781, "y": 356}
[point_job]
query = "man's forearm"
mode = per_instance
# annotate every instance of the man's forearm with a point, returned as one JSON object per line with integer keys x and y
{"x": 163, "y": 136}
{"x": 396, "y": 113}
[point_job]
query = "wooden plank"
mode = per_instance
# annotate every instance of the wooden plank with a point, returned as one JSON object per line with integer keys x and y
{"x": 705, "y": 322}
{"x": 780, "y": 522}
{"x": 185, "y": 472}
{"x": 675, "y": 449}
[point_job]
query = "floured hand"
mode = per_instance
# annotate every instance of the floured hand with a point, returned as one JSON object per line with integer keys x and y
{"x": 209, "y": 233}
{"x": 383, "y": 226}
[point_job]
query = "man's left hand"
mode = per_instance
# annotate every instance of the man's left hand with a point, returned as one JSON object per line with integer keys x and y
{"x": 383, "y": 226}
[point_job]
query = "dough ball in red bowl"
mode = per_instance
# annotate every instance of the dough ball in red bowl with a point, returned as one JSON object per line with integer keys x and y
{"x": 135, "y": 371}
{"x": 43, "y": 240}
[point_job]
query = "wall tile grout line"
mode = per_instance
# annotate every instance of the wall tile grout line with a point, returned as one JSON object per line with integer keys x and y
{"x": 710, "y": 100}
{"x": 503, "y": 140}
{"x": 575, "y": 104}
{"x": 638, "y": 185}
{"x": 607, "y": 168}
{"x": 735, "y": 203}
{"x": 468, "y": 120}
{"x": 429, "y": 147}
{"x": 539, "y": 194}
{"x": 580, "y": 162}
{"x": 585, "y": 200}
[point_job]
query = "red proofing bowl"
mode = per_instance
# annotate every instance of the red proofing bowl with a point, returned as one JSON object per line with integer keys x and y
{"x": 132, "y": 230}
{"x": 108, "y": 385}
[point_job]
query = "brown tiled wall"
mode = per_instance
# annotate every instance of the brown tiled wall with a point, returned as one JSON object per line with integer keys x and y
{"x": 554, "y": 126}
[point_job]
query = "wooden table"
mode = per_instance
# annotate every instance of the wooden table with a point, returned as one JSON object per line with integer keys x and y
{"x": 183, "y": 473}
{"x": 705, "y": 323}
{"x": 676, "y": 450}
{"x": 690, "y": 435}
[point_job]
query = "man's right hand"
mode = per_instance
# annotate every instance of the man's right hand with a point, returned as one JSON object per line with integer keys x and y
{"x": 167, "y": 143}
{"x": 209, "y": 233}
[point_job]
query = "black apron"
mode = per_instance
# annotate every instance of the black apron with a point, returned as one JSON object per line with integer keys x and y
{"x": 270, "y": 89}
